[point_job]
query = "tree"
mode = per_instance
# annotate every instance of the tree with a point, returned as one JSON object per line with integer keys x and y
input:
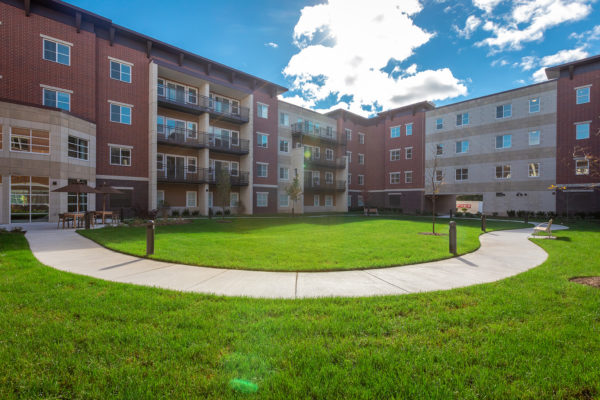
{"x": 294, "y": 191}
{"x": 223, "y": 191}
{"x": 435, "y": 178}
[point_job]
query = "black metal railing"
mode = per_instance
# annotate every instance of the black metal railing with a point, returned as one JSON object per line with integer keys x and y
{"x": 321, "y": 133}
{"x": 323, "y": 162}
{"x": 191, "y": 101}
{"x": 236, "y": 178}
{"x": 219, "y": 143}
{"x": 190, "y": 138}
{"x": 183, "y": 175}
{"x": 313, "y": 183}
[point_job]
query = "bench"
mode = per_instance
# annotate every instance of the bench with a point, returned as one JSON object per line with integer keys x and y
{"x": 372, "y": 211}
{"x": 545, "y": 227}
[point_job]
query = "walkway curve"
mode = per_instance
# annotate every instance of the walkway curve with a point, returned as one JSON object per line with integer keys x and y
{"x": 502, "y": 254}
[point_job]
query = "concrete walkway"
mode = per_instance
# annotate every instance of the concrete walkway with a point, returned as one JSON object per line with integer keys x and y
{"x": 502, "y": 254}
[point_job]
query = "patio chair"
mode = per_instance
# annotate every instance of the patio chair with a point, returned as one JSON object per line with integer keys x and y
{"x": 545, "y": 227}
{"x": 63, "y": 218}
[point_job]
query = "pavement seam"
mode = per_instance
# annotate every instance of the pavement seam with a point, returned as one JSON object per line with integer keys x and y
{"x": 389, "y": 283}
{"x": 143, "y": 272}
{"x": 206, "y": 280}
{"x": 296, "y": 287}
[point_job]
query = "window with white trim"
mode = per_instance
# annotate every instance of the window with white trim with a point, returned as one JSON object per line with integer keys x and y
{"x": 461, "y": 174}
{"x": 349, "y": 200}
{"x": 262, "y": 140}
{"x": 395, "y": 132}
{"x": 361, "y": 138}
{"x": 284, "y": 200}
{"x": 191, "y": 198}
{"x": 284, "y": 174}
{"x": 57, "y": 52}
{"x": 284, "y": 146}
{"x": 408, "y": 153}
{"x": 262, "y": 110}
{"x": 262, "y": 170}
{"x": 160, "y": 162}
{"x": 349, "y": 156}
{"x": 534, "y": 105}
{"x": 439, "y": 149}
{"x": 27, "y": 140}
{"x": 234, "y": 168}
{"x": 160, "y": 198}
{"x": 582, "y": 166}
{"x": 120, "y": 113}
{"x": 504, "y": 111}
{"x": 361, "y": 179}
{"x": 360, "y": 200}
{"x": 316, "y": 200}
{"x": 582, "y": 130}
{"x": 408, "y": 176}
{"x": 439, "y": 123}
{"x": 348, "y": 134}
{"x": 192, "y": 165}
{"x": 394, "y": 178}
{"x": 503, "y": 141}
{"x": 462, "y": 146}
{"x": 262, "y": 199}
{"x": 234, "y": 199}
{"x": 503, "y": 171}
{"x": 284, "y": 119}
{"x": 462, "y": 119}
{"x": 77, "y": 148}
{"x": 439, "y": 175}
{"x": 120, "y": 71}
{"x": 57, "y": 99}
{"x": 395, "y": 155}
{"x": 534, "y": 138}
{"x": 349, "y": 179}
{"x": 120, "y": 156}
{"x": 328, "y": 200}
{"x": 328, "y": 154}
{"x": 409, "y": 129}
{"x": 361, "y": 158}
{"x": 583, "y": 95}
{"x": 329, "y": 178}
{"x": 534, "y": 170}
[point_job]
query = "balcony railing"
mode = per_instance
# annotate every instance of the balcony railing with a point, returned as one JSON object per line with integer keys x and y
{"x": 190, "y": 138}
{"x": 323, "y": 162}
{"x": 237, "y": 178}
{"x": 183, "y": 175}
{"x": 322, "y": 184}
{"x": 321, "y": 133}
{"x": 186, "y": 101}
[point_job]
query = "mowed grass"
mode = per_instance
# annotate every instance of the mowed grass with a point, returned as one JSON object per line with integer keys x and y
{"x": 298, "y": 244}
{"x": 532, "y": 336}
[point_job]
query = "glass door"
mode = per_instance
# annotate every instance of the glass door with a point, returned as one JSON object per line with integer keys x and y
{"x": 175, "y": 167}
{"x": 29, "y": 198}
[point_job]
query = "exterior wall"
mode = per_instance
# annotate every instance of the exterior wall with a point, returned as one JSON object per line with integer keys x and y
{"x": 520, "y": 192}
{"x": 579, "y": 196}
{"x": 267, "y": 155}
{"x": 56, "y": 164}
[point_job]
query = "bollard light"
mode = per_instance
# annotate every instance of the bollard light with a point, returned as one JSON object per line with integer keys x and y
{"x": 452, "y": 237}
{"x": 483, "y": 222}
{"x": 150, "y": 238}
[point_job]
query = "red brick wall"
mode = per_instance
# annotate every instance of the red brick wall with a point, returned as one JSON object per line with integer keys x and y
{"x": 269, "y": 126}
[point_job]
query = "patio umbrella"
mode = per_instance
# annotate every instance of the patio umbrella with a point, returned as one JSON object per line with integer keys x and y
{"x": 105, "y": 189}
{"x": 77, "y": 188}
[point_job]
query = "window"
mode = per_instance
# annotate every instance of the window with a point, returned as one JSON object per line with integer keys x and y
{"x": 78, "y": 148}
{"x": 462, "y": 146}
{"x": 349, "y": 201}
{"x": 192, "y": 95}
{"x": 284, "y": 119}
{"x": 439, "y": 175}
{"x": 349, "y": 179}
{"x": 191, "y": 198}
{"x": 160, "y": 162}
{"x": 583, "y": 95}
{"x": 439, "y": 123}
{"x": 408, "y": 176}
{"x": 503, "y": 141}
{"x": 328, "y": 200}
{"x": 284, "y": 200}
{"x": 348, "y": 134}
{"x": 284, "y": 146}
{"x": 77, "y": 201}
{"x": 534, "y": 105}
{"x": 504, "y": 111}
{"x": 316, "y": 200}
{"x": 408, "y": 153}
{"x": 395, "y": 155}
{"x": 462, "y": 119}
{"x": 262, "y": 170}
{"x": 329, "y": 178}
{"x": 262, "y": 199}
{"x": 192, "y": 131}
{"x": 120, "y": 113}
{"x": 534, "y": 170}
{"x": 284, "y": 174}
{"x": 262, "y": 140}
{"x": 582, "y": 130}
{"x": 234, "y": 168}
{"x": 234, "y": 199}
{"x": 360, "y": 200}
{"x": 361, "y": 138}
{"x": 534, "y": 138}
{"x": 160, "y": 198}
{"x": 120, "y": 71}
{"x": 394, "y": 178}
{"x": 192, "y": 164}
{"x": 29, "y": 140}
{"x": 439, "y": 149}
{"x": 361, "y": 179}
{"x": 329, "y": 154}
{"x": 361, "y": 158}
{"x": 409, "y": 129}
{"x": 120, "y": 156}
{"x": 262, "y": 110}
{"x": 57, "y": 99}
{"x": 582, "y": 167}
{"x": 462, "y": 174}
{"x": 349, "y": 156}
{"x": 395, "y": 131}
{"x": 57, "y": 52}
{"x": 503, "y": 172}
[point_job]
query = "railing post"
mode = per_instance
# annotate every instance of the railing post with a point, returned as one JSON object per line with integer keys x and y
{"x": 452, "y": 237}
{"x": 150, "y": 238}
{"x": 483, "y": 222}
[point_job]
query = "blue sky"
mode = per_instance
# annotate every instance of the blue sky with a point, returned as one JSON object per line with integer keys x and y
{"x": 373, "y": 55}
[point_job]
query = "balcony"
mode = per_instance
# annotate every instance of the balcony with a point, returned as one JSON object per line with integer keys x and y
{"x": 191, "y": 102}
{"x": 241, "y": 178}
{"x": 317, "y": 184}
{"x": 312, "y": 161}
{"x": 319, "y": 133}
{"x": 182, "y": 137}
{"x": 183, "y": 175}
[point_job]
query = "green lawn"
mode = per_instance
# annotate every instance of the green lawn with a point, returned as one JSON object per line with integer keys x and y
{"x": 535, "y": 335}
{"x": 298, "y": 244}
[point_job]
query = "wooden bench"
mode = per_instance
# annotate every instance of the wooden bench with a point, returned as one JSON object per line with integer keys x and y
{"x": 545, "y": 227}
{"x": 372, "y": 211}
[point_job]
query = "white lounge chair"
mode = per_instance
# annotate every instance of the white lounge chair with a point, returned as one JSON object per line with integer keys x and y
{"x": 545, "y": 227}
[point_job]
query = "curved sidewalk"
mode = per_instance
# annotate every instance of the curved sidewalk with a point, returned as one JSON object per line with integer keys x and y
{"x": 502, "y": 254}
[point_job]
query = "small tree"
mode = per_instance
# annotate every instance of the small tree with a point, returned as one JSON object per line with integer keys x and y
{"x": 435, "y": 178}
{"x": 223, "y": 191}
{"x": 294, "y": 191}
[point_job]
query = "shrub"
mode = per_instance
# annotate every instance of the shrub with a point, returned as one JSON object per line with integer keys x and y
{"x": 458, "y": 214}
{"x": 175, "y": 213}
{"x": 580, "y": 214}
{"x": 478, "y": 214}
{"x": 540, "y": 214}
{"x": 195, "y": 213}
{"x": 185, "y": 213}
{"x": 511, "y": 213}
{"x": 494, "y": 214}
{"x": 227, "y": 211}
{"x": 552, "y": 214}
{"x": 210, "y": 213}
{"x": 219, "y": 213}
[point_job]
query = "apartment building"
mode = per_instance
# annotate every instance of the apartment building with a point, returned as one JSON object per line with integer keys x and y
{"x": 501, "y": 146}
{"x": 578, "y": 135}
{"x": 311, "y": 148}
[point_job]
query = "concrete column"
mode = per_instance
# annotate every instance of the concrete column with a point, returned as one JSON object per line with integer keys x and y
{"x": 5, "y": 200}
{"x": 152, "y": 143}
{"x": 297, "y": 157}
{"x": 247, "y": 162}
{"x": 341, "y": 198}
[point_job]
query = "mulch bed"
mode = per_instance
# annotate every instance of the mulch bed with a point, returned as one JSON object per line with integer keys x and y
{"x": 593, "y": 281}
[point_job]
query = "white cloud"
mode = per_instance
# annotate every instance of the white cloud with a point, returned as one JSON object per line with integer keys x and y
{"x": 561, "y": 57}
{"x": 501, "y": 62}
{"x": 471, "y": 24}
{"x": 528, "y": 21}
{"x": 527, "y": 63}
{"x": 336, "y": 58}
{"x": 587, "y": 36}
{"x": 297, "y": 100}
{"x": 486, "y": 5}
{"x": 272, "y": 44}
